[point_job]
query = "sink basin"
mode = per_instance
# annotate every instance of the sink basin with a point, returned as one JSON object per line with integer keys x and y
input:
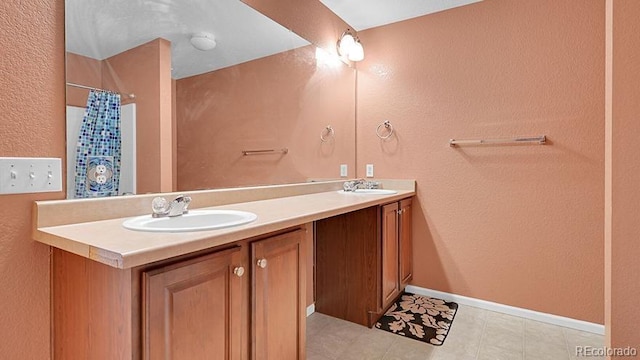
{"x": 369, "y": 192}
{"x": 194, "y": 220}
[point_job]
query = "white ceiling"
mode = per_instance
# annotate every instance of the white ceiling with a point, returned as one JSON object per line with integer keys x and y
{"x": 100, "y": 29}
{"x": 365, "y": 14}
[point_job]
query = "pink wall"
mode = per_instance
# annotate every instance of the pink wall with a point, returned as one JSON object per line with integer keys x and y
{"x": 280, "y": 101}
{"x": 32, "y": 123}
{"x": 146, "y": 71}
{"x": 81, "y": 70}
{"x": 517, "y": 225}
{"x": 623, "y": 174}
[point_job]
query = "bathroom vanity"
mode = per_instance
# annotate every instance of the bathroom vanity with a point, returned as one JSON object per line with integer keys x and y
{"x": 233, "y": 293}
{"x": 163, "y": 310}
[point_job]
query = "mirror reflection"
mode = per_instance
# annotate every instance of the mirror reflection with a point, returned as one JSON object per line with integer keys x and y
{"x": 185, "y": 95}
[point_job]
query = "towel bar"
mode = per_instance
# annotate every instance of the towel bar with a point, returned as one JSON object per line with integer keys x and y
{"x": 540, "y": 140}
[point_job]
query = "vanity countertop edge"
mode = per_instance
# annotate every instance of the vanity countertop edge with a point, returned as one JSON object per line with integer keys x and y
{"x": 108, "y": 242}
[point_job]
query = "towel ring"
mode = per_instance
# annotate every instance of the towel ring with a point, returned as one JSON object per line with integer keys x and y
{"x": 387, "y": 125}
{"x": 329, "y": 133}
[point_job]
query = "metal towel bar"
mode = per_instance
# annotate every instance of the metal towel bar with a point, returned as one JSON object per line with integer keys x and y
{"x": 539, "y": 140}
{"x": 265, "y": 152}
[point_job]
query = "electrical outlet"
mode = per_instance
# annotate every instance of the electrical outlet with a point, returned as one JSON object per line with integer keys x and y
{"x": 343, "y": 170}
{"x": 369, "y": 170}
{"x": 30, "y": 175}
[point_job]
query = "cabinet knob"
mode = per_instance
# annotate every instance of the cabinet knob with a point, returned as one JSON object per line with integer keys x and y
{"x": 262, "y": 263}
{"x": 238, "y": 271}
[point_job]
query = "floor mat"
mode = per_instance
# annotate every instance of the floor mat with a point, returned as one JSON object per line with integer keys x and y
{"x": 419, "y": 317}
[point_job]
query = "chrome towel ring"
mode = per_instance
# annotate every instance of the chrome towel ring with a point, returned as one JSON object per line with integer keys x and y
{"x": 326, "y": 133}
{"x": 389, "y": 128}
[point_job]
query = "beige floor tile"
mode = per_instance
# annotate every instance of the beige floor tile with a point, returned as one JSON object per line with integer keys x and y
{"x": 408, "y": 349}
{"x": 589, "y": 358}
{"x": 475, "y": 334}
{"x": 316, "y": 322}
{"x": 464, "y": 333}
{"x": 334, "y": 338}
{"x": 456, "y": 351}
{"x": 328, "y": 345}
{"x": 490, "y": 352}
{"x": 583, "y": 338}
{"x": 461, "y": 343}
{"x": 576, "y": 339}
{"x": 537, "y": 332}
{"x": 469, "y": 313}
{"x": 541, "y": 350}
{"x": 466, "y": 325}
{"x": 503, "y": 336}
{"x": 313, "y": 356}
{"x": 505, "y": 321}
{"x": 451, "y": 355}
{"x": 371, "y": 345}
{"x": 575, "y": 356}
{"x": 466, "y": 329}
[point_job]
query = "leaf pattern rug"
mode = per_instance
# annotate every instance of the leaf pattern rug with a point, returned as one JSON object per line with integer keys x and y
{"x": 419, "y": 317}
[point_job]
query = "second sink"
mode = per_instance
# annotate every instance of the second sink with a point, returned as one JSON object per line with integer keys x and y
{"x": 194, "y": 220}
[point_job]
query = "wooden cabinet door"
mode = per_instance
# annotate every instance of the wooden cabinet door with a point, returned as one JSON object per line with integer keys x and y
{"x": 390, "y": 254}
{"x": 279, "y": 312}
{"x": 406, "y": 244}
{"x": 192, "y": 309}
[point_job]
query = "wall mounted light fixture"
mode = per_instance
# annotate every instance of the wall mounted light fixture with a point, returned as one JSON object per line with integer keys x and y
{"x": 349, "y": 46}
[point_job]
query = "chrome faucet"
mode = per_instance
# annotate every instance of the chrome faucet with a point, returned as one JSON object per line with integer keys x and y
{"x": 353, "y": 185}
{"x": 178, "y": 206}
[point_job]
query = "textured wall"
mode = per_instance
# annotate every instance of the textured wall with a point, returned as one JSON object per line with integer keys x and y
{"x": 81, "y": 70}
{"x": 280, "y": 101}
{"x": 518, "y": 225}
{"x": 31, "y": 124}
{"x": 623, "y": 173}
{"x": 146, "y": 71}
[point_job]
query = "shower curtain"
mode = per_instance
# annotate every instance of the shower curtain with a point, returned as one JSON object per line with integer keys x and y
{"x": 98, "y": 149}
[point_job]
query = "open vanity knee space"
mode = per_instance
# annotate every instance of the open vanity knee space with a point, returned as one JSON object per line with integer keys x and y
{"x": 363, "y": 261}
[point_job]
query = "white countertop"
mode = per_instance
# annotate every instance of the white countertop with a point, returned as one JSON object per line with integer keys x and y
{"x": 108, "y": 242}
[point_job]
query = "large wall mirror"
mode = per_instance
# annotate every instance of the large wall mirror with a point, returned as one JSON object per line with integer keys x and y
{"x": 207, "y": 94}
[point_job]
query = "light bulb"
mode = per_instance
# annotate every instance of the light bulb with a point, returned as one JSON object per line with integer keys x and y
{"x": 346, "y": 43}
{"x": 357, "y": 52}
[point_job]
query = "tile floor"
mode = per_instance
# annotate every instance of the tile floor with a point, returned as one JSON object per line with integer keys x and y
{"x": 475, "y": 334}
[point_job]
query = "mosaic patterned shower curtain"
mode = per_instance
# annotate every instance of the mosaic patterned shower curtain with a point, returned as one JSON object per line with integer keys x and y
{"x": 98, "y": 149}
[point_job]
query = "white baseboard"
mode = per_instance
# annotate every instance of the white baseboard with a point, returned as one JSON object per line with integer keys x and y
{"x": 311, "y": 309}
{"x": 510, "y": 310}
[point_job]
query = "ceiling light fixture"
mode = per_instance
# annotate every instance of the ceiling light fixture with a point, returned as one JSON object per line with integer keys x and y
{"x": 349, "y": 46}
{"x": 203, "y": 41}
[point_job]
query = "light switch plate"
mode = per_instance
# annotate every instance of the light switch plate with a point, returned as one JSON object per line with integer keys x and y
{"x": 30, "y": 175}
{"x": 343, "y": 170}
{"x": 369, "y": 170}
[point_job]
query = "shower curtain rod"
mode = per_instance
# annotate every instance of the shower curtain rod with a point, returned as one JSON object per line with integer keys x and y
{"x": 130, "y": 96}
